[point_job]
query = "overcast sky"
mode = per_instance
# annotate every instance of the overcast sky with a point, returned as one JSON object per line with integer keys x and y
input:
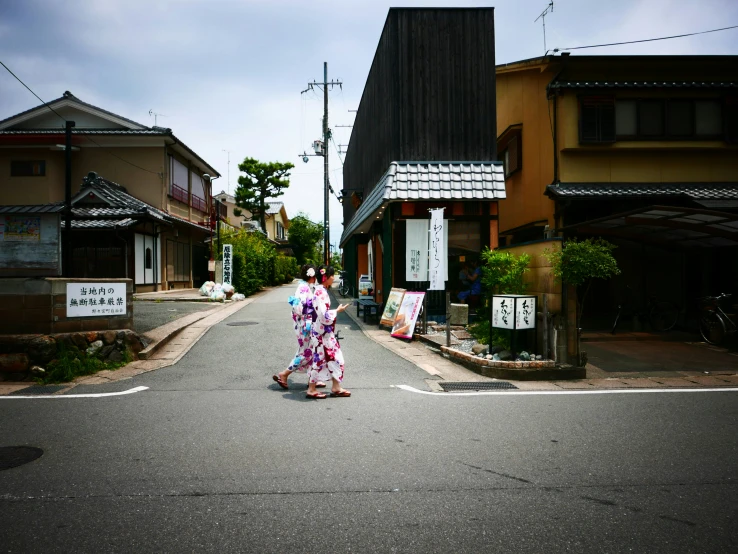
{"x": 226, "y": 75}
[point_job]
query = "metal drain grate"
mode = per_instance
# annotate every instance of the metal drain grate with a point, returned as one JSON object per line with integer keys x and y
{"x": 487, "y": 385}
{"x": 242, "y": 323}
{"x": 14, "y": 456}
{"x": 39, "y": 389}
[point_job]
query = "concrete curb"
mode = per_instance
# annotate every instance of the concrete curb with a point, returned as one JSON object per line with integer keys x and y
{"x": 161, "y": 335}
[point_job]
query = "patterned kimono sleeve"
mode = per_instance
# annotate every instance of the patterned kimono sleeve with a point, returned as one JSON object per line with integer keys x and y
{"x": 303, "y": 290}
{"x": 322, "y": 303}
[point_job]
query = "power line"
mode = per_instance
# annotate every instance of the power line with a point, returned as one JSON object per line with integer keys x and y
{"x": 78, "y": 134}
{"x": 646, "y": 39}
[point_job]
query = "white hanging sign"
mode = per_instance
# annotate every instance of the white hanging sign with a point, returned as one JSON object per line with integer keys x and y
{"x": 437, "y": 252}
{"x": 416, "y": 250}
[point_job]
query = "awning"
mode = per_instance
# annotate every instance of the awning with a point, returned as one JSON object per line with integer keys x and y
{"x": 667, "y": 226}
{"x": 420, "y": 181}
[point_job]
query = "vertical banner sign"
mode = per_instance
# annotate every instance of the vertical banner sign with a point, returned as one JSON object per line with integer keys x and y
{"x": 437, "y": 253}
{"x": 416, "y": 250}
{"x": 227, "y": 263}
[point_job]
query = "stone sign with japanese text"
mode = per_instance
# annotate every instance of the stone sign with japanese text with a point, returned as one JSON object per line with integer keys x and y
{"x": 227, "y": 264}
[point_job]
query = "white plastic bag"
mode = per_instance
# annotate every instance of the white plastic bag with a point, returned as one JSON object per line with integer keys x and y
{"x": 217, "y": 296}
{"x": 239, "y": 296}
{"x": 206, "y": 288}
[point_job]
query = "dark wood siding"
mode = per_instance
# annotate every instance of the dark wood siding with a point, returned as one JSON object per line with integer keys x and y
{"x": 429, "y": 96}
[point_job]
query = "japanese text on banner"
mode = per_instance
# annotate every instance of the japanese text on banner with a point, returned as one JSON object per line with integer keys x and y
{"x": 227, "y": 263}
{"x": 437, "y": 254}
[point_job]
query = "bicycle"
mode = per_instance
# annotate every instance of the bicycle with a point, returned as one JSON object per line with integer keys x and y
{"x": 715, "y": 324}
{"x": 344, "y": 287}
{"x": 661, "y": 314}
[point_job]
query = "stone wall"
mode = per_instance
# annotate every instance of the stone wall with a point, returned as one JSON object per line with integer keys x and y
{"x": 19, "y": 353}
{"x": 39, "y": 306}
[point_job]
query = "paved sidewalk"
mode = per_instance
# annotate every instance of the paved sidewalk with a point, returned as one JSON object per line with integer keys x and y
{"x": 442, "y": 369}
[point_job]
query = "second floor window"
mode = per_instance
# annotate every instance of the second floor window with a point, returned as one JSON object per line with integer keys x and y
{"x": 607, "y": 119}
{"x": 280, "y": 231}
{"x": 178, "y": 185}
{"x": 27, "y": 168}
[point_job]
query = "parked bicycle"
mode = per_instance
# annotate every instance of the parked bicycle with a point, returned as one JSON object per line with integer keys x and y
{"x": 715, "y": 324}
{"x": 662, "y": 315}
{"x": 344, "y": 287}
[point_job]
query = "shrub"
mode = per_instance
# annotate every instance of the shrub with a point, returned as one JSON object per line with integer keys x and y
{"x": 71, "y": 362}
{"x": 502, "y": 273}
{"x": 256, "y": 263}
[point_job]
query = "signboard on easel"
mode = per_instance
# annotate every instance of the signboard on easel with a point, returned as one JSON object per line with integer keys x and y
{"x": 407, "y": 315}
{"x": 394, "y": 301}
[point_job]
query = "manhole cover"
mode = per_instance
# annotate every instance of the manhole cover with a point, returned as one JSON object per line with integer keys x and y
{"x": 487, "y": 385}
{"x": 39, "y": 389}
{"x": 242, "y": 323}
{"x": 14, "y": 456}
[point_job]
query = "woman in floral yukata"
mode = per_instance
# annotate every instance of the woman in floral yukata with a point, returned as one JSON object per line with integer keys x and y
{"x": 327, "y": 355}
{"x": 303, "y": 316}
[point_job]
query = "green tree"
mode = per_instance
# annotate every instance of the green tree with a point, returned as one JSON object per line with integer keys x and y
{"x": 305, "y": 236}
{"x": 263, "y": 180}
{"x": 336, "y": 260}
{"x": 578, "y": 263}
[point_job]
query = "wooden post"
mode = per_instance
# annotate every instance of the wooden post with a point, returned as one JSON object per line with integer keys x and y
{"x": 544, "y": 313}
{"x": 448, "y": 319}
{"x": 425, "y": 313}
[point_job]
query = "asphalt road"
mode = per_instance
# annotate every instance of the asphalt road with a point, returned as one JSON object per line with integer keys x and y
{"x": 148, "y": 315}
{"x": 215, "y": 457}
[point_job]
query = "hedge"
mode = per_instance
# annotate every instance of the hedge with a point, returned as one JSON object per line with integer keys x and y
{"x": 256, "y": 263}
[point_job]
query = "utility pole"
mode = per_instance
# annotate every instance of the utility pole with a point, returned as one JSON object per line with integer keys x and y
{"x": 66, "y": 260}
{"x": 326, "y": 137}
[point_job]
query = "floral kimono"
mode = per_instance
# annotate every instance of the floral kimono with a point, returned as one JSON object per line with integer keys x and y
{"x": 303, "y": 316}
{"x": 327, "y": 355}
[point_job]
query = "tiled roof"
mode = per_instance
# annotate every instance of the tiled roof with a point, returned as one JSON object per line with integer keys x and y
{"x": 122, "y": 208}
{"x": 102, "y": 223}
{"x": 643, "y": 84}
{"x": 76, "y": 131}
{"x": 274, "y": 207}
{"x": 431, "y": 181}
{"x": 69, "y": 96}
{"x": 695, "y": 191}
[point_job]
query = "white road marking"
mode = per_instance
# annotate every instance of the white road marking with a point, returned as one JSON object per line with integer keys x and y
{"x": 100, "y": 395}
{"x": 555, "y": 392}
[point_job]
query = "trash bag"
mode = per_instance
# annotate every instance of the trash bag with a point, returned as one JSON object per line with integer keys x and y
{"x": 238, "y": 296}
{"x": 217, "y": 296}
{"x": 206, "y": 288}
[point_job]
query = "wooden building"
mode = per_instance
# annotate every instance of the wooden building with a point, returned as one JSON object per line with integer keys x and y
{"x": 423, "y": 137}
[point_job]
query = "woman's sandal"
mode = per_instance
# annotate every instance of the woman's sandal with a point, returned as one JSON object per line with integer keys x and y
{"x": 280, "y": 381}
{"x": 341, "y": 394}
{"x": 317, "y": 395}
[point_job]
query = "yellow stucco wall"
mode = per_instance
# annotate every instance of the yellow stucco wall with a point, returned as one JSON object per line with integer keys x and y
{"x": 539, "y": 278}
{"x": 521, "y": 98}
{"x": 40, "y": 190}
